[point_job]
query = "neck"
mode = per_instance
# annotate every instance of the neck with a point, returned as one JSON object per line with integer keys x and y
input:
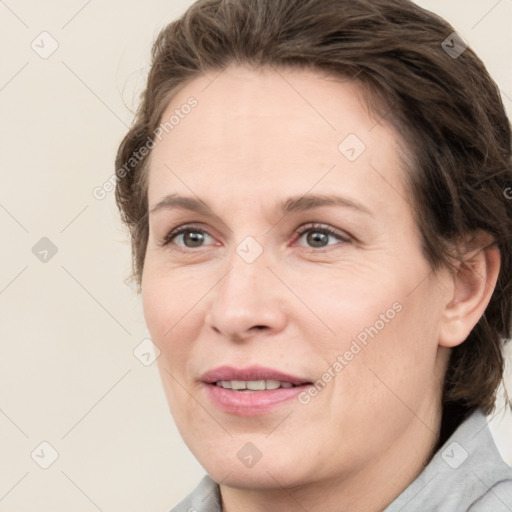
{"x": 369, "y": 490}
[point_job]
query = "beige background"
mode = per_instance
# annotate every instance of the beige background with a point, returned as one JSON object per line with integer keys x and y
{"x": 68, "y": 326}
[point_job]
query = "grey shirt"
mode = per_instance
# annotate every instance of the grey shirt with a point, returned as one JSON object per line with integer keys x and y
{"x": 467, "y": 474}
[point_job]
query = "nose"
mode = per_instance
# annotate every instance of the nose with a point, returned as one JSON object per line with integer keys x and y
{"x": 246, "y": 301}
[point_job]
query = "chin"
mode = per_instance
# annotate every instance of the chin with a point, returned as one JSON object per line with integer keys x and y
{"x": 240, "y": 464}
{"x": 261, "y": 476}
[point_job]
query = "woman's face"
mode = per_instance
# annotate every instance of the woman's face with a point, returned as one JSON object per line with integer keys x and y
{"x": 298, "y": 265}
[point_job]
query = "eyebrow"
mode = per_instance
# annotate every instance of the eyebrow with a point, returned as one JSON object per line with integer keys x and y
{"x": 310, "y": 201}
{"x": 183, "y": 202}
{"x": 292, "y": 204}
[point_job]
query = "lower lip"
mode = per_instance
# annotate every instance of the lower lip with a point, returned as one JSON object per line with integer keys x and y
{"x": 250, "y": 403}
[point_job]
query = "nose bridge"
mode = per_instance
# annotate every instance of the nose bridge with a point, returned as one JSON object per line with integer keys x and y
{"x": 242, "y": 286}
{"x": 248, "y": 258}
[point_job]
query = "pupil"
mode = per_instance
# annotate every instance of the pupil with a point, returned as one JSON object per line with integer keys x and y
{"x": 317, "y": 239}
{"x": 192, "y": 238}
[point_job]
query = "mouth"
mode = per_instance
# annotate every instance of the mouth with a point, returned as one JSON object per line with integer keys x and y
{"x": 251, "y": 391}
{"x": 253, "y": 385}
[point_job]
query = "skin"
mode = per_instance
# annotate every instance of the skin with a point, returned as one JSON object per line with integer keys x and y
{"x": 255, "y": 139}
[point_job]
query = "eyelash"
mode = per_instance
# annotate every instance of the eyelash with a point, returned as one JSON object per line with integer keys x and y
{"x": 318, "y": 228}
{"x": 321, "y": 228}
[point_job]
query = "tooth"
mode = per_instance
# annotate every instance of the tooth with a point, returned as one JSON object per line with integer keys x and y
{"x": 253, "y": 385}
{"x": 256, "y": 385}
{"x": 272, "y": 384}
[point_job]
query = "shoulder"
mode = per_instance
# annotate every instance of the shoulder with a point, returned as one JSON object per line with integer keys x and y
{"x": 466, "y": 474}
{"x": 497, "y": 498}
{"x": 204, "y": 498}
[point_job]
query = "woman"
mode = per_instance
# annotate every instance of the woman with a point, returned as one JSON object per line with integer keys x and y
{"x": 316, "y": 193}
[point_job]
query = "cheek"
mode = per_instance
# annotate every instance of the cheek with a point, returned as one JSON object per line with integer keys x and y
{"x": 386, "y": 331}
{"x": 171, "y": 310}
{"x": 389, "y": 366}
{"x": 167, "y": 300}
{"x": 350, "y": 302}
{"x": 391, "y": 362}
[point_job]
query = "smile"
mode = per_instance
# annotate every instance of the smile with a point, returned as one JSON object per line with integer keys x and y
{"x": 250, "y": 391}
{"x": 253, "y": 385}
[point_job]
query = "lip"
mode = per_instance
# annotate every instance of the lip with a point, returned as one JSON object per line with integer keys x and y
{"x": 250, "y": 403}
{"x": 249, "y": 373}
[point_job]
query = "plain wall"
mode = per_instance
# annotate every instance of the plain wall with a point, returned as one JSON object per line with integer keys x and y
{"x": 69, "y": 325}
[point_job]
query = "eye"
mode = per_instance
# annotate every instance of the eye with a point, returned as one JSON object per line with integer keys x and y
{"x": 320, "y": 236}
{"x": 188, "y": 237}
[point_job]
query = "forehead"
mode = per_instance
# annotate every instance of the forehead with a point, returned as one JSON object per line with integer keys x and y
{"x": 253, "y": 128}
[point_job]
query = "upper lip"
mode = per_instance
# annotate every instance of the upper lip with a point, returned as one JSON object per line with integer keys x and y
{"x": 249, "y": 373}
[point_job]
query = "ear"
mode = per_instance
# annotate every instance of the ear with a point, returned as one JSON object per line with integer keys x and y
{"x": 473, "y": 284}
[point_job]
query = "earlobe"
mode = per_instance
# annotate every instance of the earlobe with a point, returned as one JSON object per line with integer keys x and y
{"x": 473, "y": 285}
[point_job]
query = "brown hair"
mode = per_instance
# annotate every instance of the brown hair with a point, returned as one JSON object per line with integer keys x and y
{"x": 445, "y": 106}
